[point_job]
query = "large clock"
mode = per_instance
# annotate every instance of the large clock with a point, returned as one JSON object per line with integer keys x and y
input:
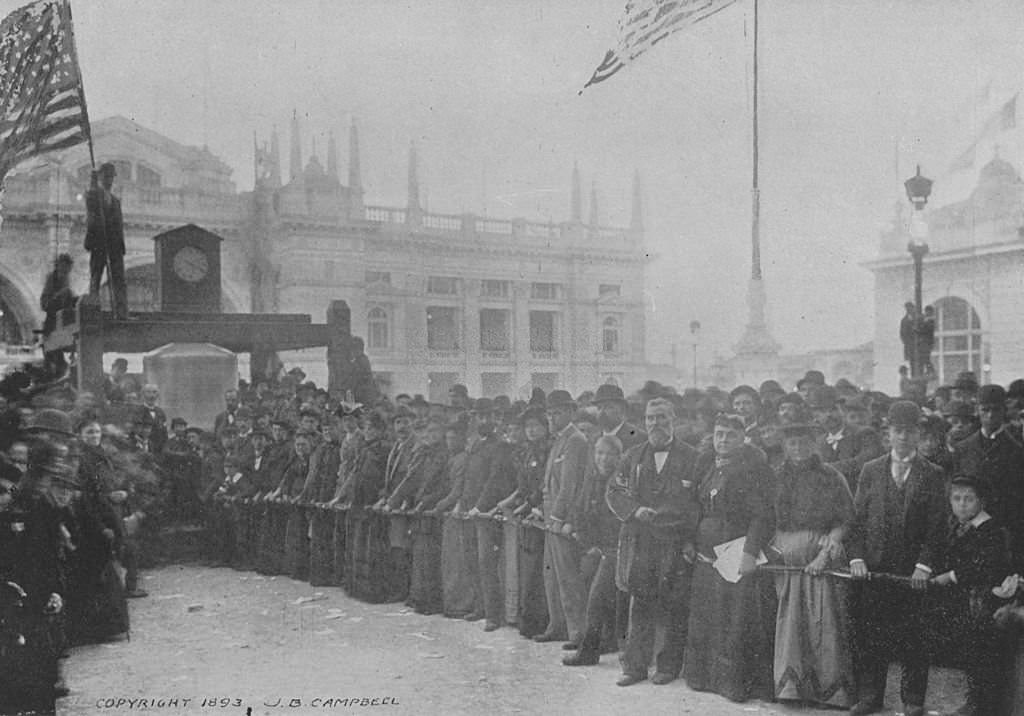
{"x": 188, "y": 270}
{"x": 190, "y": 264}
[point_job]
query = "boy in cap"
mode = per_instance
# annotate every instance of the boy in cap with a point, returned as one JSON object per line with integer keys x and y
{"x": 994, "y": 456}
{"x": 899, "y": 514}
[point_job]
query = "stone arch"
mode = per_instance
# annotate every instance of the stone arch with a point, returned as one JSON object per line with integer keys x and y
{"x": 21, "y": 314}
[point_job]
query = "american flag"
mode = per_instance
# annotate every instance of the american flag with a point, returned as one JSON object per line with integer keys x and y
{"x": 42, "y": 105}
{"x": 645, "y": 23}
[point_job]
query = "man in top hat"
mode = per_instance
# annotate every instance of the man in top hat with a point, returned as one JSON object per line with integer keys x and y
{"x": 900, "y": 513}
{"x": 611, "y": 416}
{"x": 847, "y": 444}
{"x": 104, "y": 237}
{"x": 563, "y": 478}
{"x": 993, "y": 455}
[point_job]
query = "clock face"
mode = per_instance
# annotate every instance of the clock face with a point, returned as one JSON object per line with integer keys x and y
{"x": 190, "y": 264}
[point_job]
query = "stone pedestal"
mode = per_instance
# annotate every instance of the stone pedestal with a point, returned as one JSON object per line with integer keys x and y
{"x": 192, "y": 378}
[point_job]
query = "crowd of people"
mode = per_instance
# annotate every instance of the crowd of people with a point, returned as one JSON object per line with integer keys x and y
{"x": 757, "y": 543}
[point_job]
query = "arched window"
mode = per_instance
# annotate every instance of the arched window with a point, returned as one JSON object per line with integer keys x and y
{"x": 957, "y": 339}
{"x": 147, "y": 177}
{"x": 377, "y": 329}
{"x": 610, "y": 335}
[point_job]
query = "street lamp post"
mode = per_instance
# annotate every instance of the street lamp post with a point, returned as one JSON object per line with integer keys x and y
{"x": 695, "y": 331}
{"x": 918, "y": 190}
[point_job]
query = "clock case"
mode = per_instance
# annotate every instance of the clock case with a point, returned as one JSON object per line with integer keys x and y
{"x": 173, "y": 293}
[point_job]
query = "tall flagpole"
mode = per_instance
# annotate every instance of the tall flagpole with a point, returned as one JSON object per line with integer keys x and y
{"x": 757, "y": 351}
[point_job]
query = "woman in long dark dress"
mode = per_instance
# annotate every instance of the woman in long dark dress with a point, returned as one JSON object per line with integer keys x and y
{"x": 364, "y": 574}
{"x": 296, "y": 522}
{"x": 97, "y": 606}
{"x": 319, "y": 490}
{"x": 460, "y": 592}
{"x": 728, "y": 648}
{"x": 428, "y": 469}
{"x": 813, "y": 507}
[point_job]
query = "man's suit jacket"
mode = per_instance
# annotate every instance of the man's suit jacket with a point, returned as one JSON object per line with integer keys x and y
{"x": 106, "y": 234}
{"x": 852, "y": 452}
{"x": 672, "y": 493}
{"x": 924, "y": 511}
{"x": 222, "y": 421}
{"x": 563, "y": 476}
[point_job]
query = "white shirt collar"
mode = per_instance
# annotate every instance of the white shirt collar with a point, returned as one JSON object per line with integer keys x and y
{"x": 980, "y": 519}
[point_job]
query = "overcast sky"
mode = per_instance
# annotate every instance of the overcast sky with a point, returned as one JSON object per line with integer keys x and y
{"x": 488, "y": 89}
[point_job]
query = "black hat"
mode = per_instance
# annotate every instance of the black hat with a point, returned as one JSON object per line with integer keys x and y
{"x": 483, "y": 405}
{"x": 1016, "y": 389}
{"x": 403, "y": 412}
{"x": 459, "y": 389}
{"x": 52, "y": 421}
{"x": 792, "y": 398}
{"x": 844, "y": 384}
{"x": 502, "y": 402}
{"x": 966, "y": 381}
{"x": 855, "y": 402}
{"x": 560, "y": 399}
{"x": 822, "y": 397}
{"x": 745, "y": 389}
{"x": 728, "y": 420}
{"x": 533, "y": 412}
{"x": 957, "y": 409}
{"x": 418, "y": 401}
{"x": 991, "y": 395}
{"x": 608, "y": 393}
{"x": 934, "y": 425}
{"x": 537, "y": 397}
{"x": 904, "y": 414}
{"x": 979, "y": 483}
{"x": 814, "y": 377}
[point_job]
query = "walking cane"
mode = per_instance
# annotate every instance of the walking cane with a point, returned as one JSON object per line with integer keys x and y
{"x": 835, "y": 573}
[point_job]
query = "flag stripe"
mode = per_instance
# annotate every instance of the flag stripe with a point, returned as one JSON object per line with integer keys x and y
{"x": 645, "y": 23}
{"x": 42, "y": 106}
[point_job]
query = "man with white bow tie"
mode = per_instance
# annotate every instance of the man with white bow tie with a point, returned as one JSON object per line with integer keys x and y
{"x": 845, "y": 444}
{"x": 900, "y": 513}
{"x": 654, "y": 494}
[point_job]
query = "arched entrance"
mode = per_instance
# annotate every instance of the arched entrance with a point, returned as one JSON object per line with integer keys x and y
{"x": 17, "y": 317}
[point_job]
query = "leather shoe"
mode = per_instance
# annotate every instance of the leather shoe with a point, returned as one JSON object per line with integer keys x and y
{"x": 491, "y": 626}
{"x": 545, "y": 637}
{"x": 662, "y": 678}
{"x": 909, "y": 710}
{"x": 570, "y": 646}
{"x": 630, "y": 679}
{"x": 867, "y": 706}
{"x": 581, "y": 659}
{"x": 473, "y": 617}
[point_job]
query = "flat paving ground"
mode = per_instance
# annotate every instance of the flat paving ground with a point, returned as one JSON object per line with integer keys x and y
{"x": 231, "y": 641}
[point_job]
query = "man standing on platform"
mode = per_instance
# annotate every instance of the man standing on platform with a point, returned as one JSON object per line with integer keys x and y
{"x": 104, "y": 238}
{"x": 563, "y": 478}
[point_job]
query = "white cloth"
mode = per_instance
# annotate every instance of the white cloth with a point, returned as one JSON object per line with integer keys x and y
{"x": 900, "y": 469}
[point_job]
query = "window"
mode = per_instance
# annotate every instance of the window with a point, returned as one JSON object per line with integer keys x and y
{"x": 442, "y": 328}
{"x": 443, "y": 285}
{"x": 609, "y": 289}
{"x": 147, "y": 177}
{"x": 957, "y": 339}
{"x": 491, "y": 288}
{"x": 377, "y": 333}
{"x": 378, "y": 277}
{"x": 546, "y": 291}
{"x": 493, "y": 384}
{"x": 543, "y": 331}
{"x": 494, "y": 330}
{"x": 610, "y": 335}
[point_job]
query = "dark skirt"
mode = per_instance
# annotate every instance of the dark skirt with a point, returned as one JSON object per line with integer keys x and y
{"x": 321, "y": 547}
{"x": 340, "y": 554}
{"x": 425, "y": 587}
{"x": 370, "y": 567}
{"x": 461, "y": 586}
{"x": 273, "y": 523}
{"x": 296, "y": 543}
{"x": 97, "y": 608}
{"x": 28, "y": 664}
{"x": 533, "y": 605}
{"x": 728, "y": 647}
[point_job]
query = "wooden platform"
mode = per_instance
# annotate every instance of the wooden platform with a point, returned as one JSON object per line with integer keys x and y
{"x": 91, "y": 332}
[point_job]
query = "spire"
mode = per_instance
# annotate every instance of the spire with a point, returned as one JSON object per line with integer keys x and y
{"x": 295, "y": 160}
{"x": 576, "y": 205}
{"x": 414, "y": 182}
{"x": 636, "y": 219}
{"x": 275, "y": 159}
{"x": 355, "y": 179}
{"x": 594, "y": 219}
{"x": 332, "y": 156}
